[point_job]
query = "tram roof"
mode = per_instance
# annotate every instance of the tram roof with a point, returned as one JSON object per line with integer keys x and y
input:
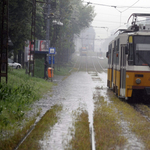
{"x": 138, "y": 14}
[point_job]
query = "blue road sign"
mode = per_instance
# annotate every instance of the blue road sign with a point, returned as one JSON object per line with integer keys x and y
{"x": 52, "y": 50}
{"x": 50, "y": 60}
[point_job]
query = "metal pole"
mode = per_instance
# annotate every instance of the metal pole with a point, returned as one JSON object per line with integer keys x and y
{"x": 52, "y": 69}
{"x": 48, "y": 29}
{"x": 48, "y": 24}
{"x": 4, "y": 39}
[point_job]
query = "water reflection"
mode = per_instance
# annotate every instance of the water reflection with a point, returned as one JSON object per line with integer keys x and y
{"x": 74, "y": 92}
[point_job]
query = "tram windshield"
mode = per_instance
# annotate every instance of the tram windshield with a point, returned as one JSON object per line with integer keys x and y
{"x": 142, "y": 50}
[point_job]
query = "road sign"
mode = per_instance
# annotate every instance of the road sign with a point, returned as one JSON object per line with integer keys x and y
{"x": 51, "y": 60}
{"x": 52, "y": 50}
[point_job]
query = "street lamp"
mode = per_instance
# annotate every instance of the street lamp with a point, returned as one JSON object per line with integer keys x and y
{"x": 55, "y": 22}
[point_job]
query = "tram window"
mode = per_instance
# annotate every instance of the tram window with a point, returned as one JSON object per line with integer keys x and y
{"x": 109, "y": 58}
{"x": 117, "y": 53}
{"x": 114, "y": 58}
{"x": 142, "y": 39}
{"x": 114, "y": 53}
{"x": 115, "y": 47}
{"x": 130, "y": 56}
{"x": 142, "y": 50}
{"x": 118, "y": 45}
{"x": 142, "y": 54}
{"x": 109, "y": 55}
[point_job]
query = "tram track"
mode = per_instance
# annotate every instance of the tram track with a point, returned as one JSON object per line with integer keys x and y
{"x": 83, "y": 63}
{"x": 144, "y": 113}
{"x": 29, "y": 131}
{"x": 92, "y": 66}
{"x": 88, "y": 64}
{"x": 100, "y": 64}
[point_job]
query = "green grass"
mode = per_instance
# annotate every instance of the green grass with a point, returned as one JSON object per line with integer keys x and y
{"x": 80, "y": 132}
{"x": 137, "y": 123}
{"x": 107, "y": 130}
{"x": 11, "y": 143}
{"x": 43, "y": 126}
{"x": 63, "y": 70}
{"x": 15, "y": 99}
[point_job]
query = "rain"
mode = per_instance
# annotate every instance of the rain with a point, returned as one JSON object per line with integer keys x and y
{"x": 73, "y": 59}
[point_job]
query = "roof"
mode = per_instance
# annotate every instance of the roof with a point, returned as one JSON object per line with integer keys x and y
{"x": 123, "y": 30}
{"x": 138, "y": 14}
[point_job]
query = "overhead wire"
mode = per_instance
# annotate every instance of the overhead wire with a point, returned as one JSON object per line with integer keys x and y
{"x": 130, "y": 6}
{"x": 115, "y": 6}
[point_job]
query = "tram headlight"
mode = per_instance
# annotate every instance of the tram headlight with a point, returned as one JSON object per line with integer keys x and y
{"x": 138, "y": 81}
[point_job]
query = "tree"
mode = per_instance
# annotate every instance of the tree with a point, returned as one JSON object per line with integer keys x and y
{"x": 20, "y": 16}
{"x": 75, "y": 17}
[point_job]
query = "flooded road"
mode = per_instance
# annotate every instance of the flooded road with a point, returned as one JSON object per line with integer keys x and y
{"x": 77, "y": 91}
{"x": 74, "y": 92}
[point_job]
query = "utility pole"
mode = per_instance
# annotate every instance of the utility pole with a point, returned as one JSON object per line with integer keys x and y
{"x": 48, "y": 24}
{"x": 32, "y": 40}
{"x": 48, "y": 6}
{"x": 4, "y": 39}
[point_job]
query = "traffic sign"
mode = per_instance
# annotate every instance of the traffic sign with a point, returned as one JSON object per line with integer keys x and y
{"x": 52, "y": 50}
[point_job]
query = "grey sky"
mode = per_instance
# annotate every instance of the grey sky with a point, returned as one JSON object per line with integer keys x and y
{"x": 114, "y": 17}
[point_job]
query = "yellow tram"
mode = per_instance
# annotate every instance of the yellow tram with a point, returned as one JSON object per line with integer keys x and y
{"x": 83, "y": 51}
{"x": 129, "y": 59}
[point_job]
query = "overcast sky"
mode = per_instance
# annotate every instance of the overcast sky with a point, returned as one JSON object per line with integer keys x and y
{"x": 112, "y": 18}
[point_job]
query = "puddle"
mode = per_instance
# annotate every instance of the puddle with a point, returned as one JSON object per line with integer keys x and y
{"x": 74, "y": 92}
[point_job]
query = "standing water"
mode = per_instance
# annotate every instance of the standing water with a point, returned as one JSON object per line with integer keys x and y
{"x": 74, "y": 92}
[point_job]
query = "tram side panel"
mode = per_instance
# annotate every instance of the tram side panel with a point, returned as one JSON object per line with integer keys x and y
{"x": 118, "y": 78}
{"x": 110, "y": 67}
{"x": 117, "y": 57}
{"x": 109, "y": 74}
{"x": 115, "y": 69}
{"x": 121, "y": 75}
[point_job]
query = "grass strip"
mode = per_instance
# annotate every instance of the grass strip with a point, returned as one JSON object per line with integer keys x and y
{"x": 10, "y": 143}
{"x": 17, "y": 95}
{"x": 16, "y": 98}
{"x": 106, "y": 127}
{"x": 63, "y": 70}
{"x": 145, "y": 109}
{"x": 47, "y": 121}
{"x": 80, "y": 132}
{"x": 137, "y": 123}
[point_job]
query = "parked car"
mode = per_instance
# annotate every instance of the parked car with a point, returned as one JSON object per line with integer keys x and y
{"x": 13, "y": 64}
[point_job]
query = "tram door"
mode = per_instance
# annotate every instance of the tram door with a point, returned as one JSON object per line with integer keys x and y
{"x": 122, "y": 71}
{"x": 112, "y": 67}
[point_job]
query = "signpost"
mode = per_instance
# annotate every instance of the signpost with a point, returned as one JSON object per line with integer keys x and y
{"x": 52, "y": 52}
